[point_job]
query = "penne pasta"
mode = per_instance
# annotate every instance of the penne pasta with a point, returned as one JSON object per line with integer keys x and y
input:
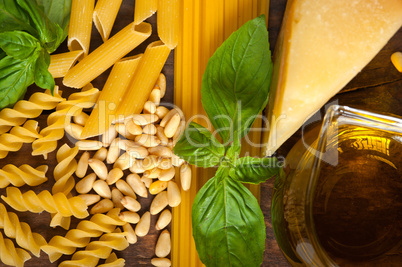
{"x": 61, "y": 63}
{"x": 149, "y": 68}
{"x": 79, "y": 32}
{"x": 168, "y": 22}
{"x": 104, "y": 16}
{"x": 144, "y": 9}
{"x": 107, "y": 54}
{"x": 112, "y": 93}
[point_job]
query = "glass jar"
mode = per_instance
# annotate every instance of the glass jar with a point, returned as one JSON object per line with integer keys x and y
{"x": 338, "y": 201}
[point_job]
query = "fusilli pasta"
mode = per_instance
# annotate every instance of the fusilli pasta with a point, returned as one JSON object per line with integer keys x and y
{"x": 80, "y": 237}
{"x": 20, "y": 231}
{"x": 61, "y": 118}
{"x": 10, "y": 255}
{"x": 25, "y": 174}
{"x": 45, "y": 201}
{"x": 67, "y": 164}
{"x": 113, "y": 261}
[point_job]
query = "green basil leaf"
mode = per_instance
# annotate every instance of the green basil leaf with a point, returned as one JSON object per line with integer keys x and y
{"x": 222, "y": 172}
{"x": 13, "y": 17}
{"x": 199, "y": 147}
{"x": 236, "y": 81}
{"x": 43, "y": 78}
{"x": 228, "y": 225}
{"x": 254, "y": 170}
{"x": 2, "y": 54}
{"x": 58, "y": 11}
{"x": 18, "y": 44}
{"x": 234, "y": 149}
{"x": 15, "y": 76}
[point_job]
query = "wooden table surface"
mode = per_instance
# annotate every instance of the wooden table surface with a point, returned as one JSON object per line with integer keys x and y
{"x": 378, "y": 88}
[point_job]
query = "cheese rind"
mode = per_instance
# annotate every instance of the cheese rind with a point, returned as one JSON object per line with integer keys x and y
{"x": 323, "y": 44}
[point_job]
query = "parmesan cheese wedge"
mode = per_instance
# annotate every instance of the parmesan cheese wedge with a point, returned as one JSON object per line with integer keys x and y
{"x": 322, "y": 45}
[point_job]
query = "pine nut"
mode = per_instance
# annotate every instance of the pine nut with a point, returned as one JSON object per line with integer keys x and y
{"x": 98, "y": 167}
{"x": 143, "y": 225}
{"x": 165, "y": 164}
{"x": 155, "y": 96}
{"x": 174, "y": 196}
{"x": 161, "y": 82}
{"x": 179, "y": 132}
{"x": 116, "y": 198}
{"x": 74, "y": 130}
{"x": 124, "y": 162}
{"x": 130, "y": 203}
{"x": 109, "y": 136}
{"x": 125, "y": 188}
{"x": 164, "y": 219}
{"x": 159, "y": 203}
{"x": 114, "y": 175}
{"x": 161, "y": 151}
{"x": 149, "y": 129}
{"x": 147, "y": 140}
{"x": 177, "y": 161}
{"x": 130, "y": 236}
{"x": 137, "y": 167}
{"x": 138, "y": 152}
{"x": 90, "y": 199}
{"x": 137, "y": 185}
{"x": 172, "y": 125}
{"x": 167, "y": 175}
{"x": 133, "y": 128}
{"x": 167, "y": 117}
{"x": 157, "y": 187}
{"x": 102, "y": 189}
{"x": 89, "y": 145}
{"x": 154, "y": 173}
{"x": 149, "y": 107}
{"x": 163, "y": 245}
{"x": 86, "y": 184}
{"x": 161, "y": 262}
{"x": 161, "y": 111}
{"x": 114, "y": 151}
{"x": 81, "y": 118}
{"x": 150, "y": 162}
{"x": 122, "y": 130}
{"x": 82, "y": 166}
{"x": 147, "y": 181}
{"x": 144, "y": 119}
{"x": 129, "y": 216}
{"x": 102, "y": 206}
{"x": 161, "y": 135}
{"x": 185, "y": 177}
{"x": 101, "y": 154}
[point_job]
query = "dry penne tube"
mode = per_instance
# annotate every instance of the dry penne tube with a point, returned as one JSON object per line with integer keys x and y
{"x": 79, "y": 32}
{"x": 107, "y": 54}
{"x": 98, "y": 167}
{"x": 129, "y": 216}
{"x": 163, "y": 245}
{"x": 115, "y": 87}
{"x": 90, "y": 199}
{"x": 61, "y": 63}
{"x": 159, "y": 203}
{"x": 143, "y": 225}
{"x": 116, "y": 198}
{"x": 144, "y": 9}
{"x": 169, "y": 22}
{"x": 149, "y": 68}
{"x": 130, "y": 203}
{"x": 104, "y": 15}
{"x": 102, "y": 189}
{"x": 102, "y": 206}
{"x": 130, "y": 233}
{"x": 86, "y": 184}
{"x": 125, "y": 188}
{"x": 164, "y": 219}
{"x": 82, "y": 166}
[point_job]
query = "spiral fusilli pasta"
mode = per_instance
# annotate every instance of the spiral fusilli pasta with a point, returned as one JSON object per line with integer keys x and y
{"x": 80, "y": 237}
{"x": 28, "y": 109}
{"x": 25, "y": 174}
{"x": 98, "y": 250}
{"x": 18, "y": 135}
{"x": 20, "y": 231}
{"x": 61, "y": 118}
{"x": 45, "y": 201}
{"x": 113, "y": 261}
{"x": 67, "y": 164}
{"x": 10, "y": 255}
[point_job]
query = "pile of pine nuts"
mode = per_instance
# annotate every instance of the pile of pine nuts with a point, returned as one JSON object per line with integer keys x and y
{"x": 140, "y": 145}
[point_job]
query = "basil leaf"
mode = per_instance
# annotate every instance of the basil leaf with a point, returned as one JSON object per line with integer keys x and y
{"x": 58, "y": 11}
{"x": 2, "y": 54}
{"x": 43, "y": 78}
{"x": 15, "y": 76}
{"x": 13, "y": 17}
{"x": 199, "y": 147}
{"x": 235, "y": 148}
{"x": 18, "y": 44}
{"x": 254, "y": 170}
{"x": 236, "y": 81}
{"x": 228, "y": 225}
{"x": 222, "y": 172}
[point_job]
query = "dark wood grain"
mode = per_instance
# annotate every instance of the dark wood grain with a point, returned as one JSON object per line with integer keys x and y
{"x": 378, "y": 88}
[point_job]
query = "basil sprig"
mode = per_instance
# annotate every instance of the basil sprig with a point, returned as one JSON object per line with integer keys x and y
{"x": 29, "y": 31}
{"x": 228, "y": 225}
